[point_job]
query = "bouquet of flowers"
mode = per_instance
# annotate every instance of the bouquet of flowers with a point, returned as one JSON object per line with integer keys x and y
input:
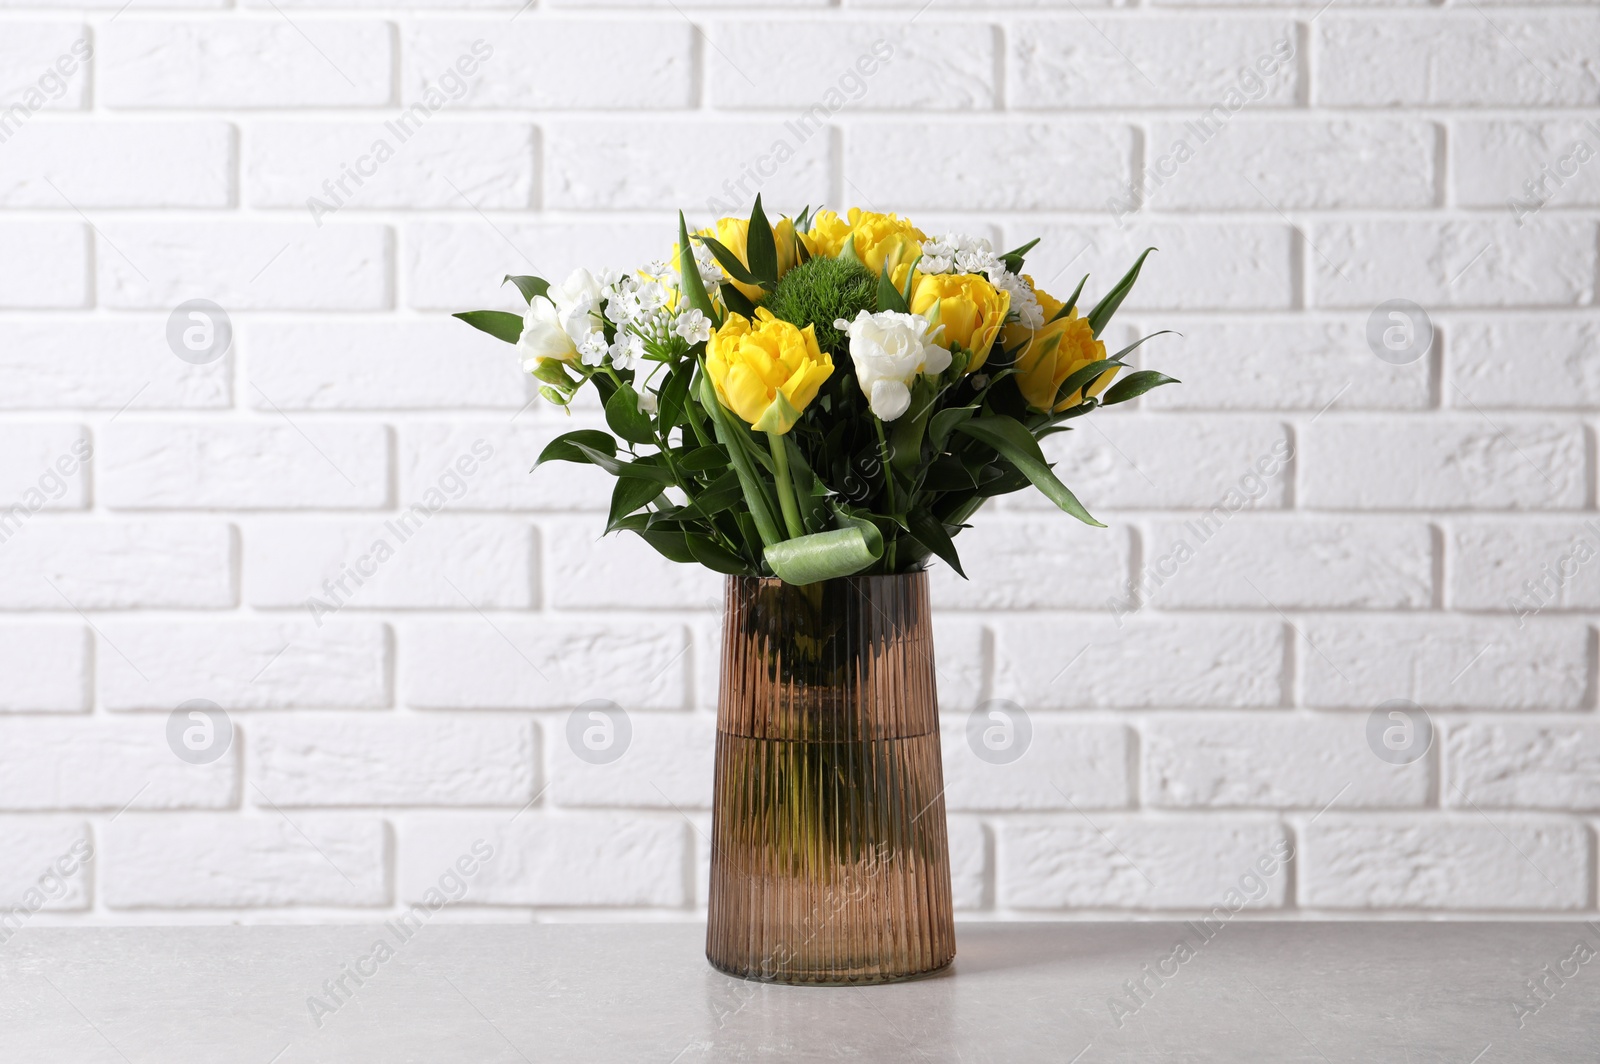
{"x": 822, "y": 397}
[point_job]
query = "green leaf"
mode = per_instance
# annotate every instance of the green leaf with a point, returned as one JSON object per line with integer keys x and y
{"x": 673, "y": 546}
{"x": 1130, "y": 348}
{"x": 737, "y": 301}
{"x": 1013, "y": 258}
{"x": 528, "y": 286}
{"x": 754, "y": 493}
{"x": 728, "y": 260}
{"x": 1134, "y": 385}
{"x": 694, "y": 289}
{"x": 711, "y": 554}
{"x": 625, "y": 417}
{"x": 702, "y": 459}
{"x": 564, "y": 447}
{"x": 947, "y": 474}
{"x": 497, "y": 323}
{"x": 889, "y": 297}
{"x": 825, "y": 555}
{"x": 721, "y": 494}
{"x": 1101, "y": 314}
{"x": 1017, "y": 446}
{"x": 760, "y": 247}
{"x": 674, "y": 396}
{"x": 628, "y": 496}
{"x": 1084, "y": 376}
{"x": 1072, "y": 301}
{"x": 930, "y": 532}
{"x": 942, "y": 424}
{"x": 640, "y": 470}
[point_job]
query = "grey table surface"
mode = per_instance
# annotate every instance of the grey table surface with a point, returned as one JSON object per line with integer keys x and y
{"x": 1411, "y": 993}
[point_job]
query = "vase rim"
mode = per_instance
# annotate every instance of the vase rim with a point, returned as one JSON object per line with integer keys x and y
{"x": 915, "y": 575}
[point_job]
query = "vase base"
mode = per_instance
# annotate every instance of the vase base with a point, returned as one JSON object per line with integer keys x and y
{"x": 832, "y": 977}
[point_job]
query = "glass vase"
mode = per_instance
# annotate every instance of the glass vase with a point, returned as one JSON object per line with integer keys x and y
{"x": 829, "y": 857}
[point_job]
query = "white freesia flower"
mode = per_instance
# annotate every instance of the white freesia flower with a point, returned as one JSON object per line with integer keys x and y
{"x": 889, "y": 350}
{"x": 543, "y": 335}
{"x": 577, "y": 303}
{"x": 648, "y": 403}
{"x": 693, "y": 326}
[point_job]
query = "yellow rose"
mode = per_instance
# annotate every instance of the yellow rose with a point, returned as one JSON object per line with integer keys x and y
{"x": 1053, "y": 353}
{"x": 970, "y": 308}
{"x": 878, "y": 237}
{"x": 734, "y": 234}
{"x": 766, "y": 371}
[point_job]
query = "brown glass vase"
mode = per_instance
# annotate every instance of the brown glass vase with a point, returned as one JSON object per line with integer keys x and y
{"x": 829, "y": 858}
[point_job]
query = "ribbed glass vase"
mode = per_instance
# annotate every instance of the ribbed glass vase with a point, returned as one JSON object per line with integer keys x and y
{"x": 829, "y": 859}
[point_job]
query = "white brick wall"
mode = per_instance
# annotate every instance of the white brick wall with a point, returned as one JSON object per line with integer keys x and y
{"x": 399, "y": 680}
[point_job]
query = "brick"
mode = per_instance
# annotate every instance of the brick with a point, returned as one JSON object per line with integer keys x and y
{"x": 44, "y": 69}
{"x": 409, "y": 561}
{"x": 1017, "y": 562}
{"x": 245, "y": 265}
{"x": 382, "y": 366}
{"x": 44, "y": 467}
{"x": 1443, "y": 662}
{"x": 1554, "y": 367}
{"x": 1550, "y": 261}
{"x": 649, "y": 63}
{"x": 1122, "y": 862}
{"x": 1171, "y": 462}
{"x": 1299, "y": 364}
{"x": 1198, "y": 265}
{"x": 1302, "y": 564}
{"x": 372, "y": 759}
{"x": 97, "y": 363}
{"x": 45, "y": 264}
{"x": 1069, "y": 664}
{"x": 93, "y": 763}
{"x": 588, "y": 570}
{"x": 619, "y": 165}
{"x": 221, "y": 862}
{"x": 240, "y": 63}
{"x": 1523, "y": 166}
{"x": 872, "y": 65}
{"x": 586, "y": 859}
{"x": 1437, "y": 463}
{"x": 1524, "y": 566}
{"x": 1176, "y": 61}
{"x": 1270, "y": 761}
{"x": 987, "y": 165}
{"x": 1067, "y": 762}
{"x": 49, "y": 868}
{"x": 1438, "y": 862}
{"x": 1547, "y": 764}
{"x": 668, "y": 764}
{"x": 1291, "y": 164}
{"x": 1461, "y": 59}
{"x": 320, "y": 465}
{"x": 399, "y": 162}
{"x": 116, "y": 164}
{"x": 244, "y": 665}
{"x": 544, "y": 664}
{"x": 969, "y": 863}
{"x": 450, "y": 265}
{"x": 961, "y": 653}
{"x": 46, "y": 668}
{"x": 505, "y": 452}
{"x": 117, "y": 565}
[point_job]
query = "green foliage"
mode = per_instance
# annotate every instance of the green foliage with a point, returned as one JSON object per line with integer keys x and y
{"x": 820, "y": 292}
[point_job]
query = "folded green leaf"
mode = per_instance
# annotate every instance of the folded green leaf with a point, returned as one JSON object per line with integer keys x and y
{"x": 530, "y": 287}
{"x": 728, "y": 260}
{"x": 760, "y": 247}
{"x": 1013, "y": 258}
{"x": 889, "y": 297}
{"x": 825, "y": 555}
{"x": 1072, "y": 300}
{"x": 737, "y": 301}
{"x": 563, "y": 448}
{"x": 754, "y": 492}
{"x": 1101, "y": 314}
{"x": 1134, "y": 385}
{"x": 497, "y": 323}
{"x": 694, "y": 289}
{"x": 1017, "y": 446}
{"x": 625, "y": 417}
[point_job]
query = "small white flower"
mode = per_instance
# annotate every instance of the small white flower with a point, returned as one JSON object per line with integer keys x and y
{"x": 1024, "y": 303}
{"x": 693, "y": 326}
{"x": 627, "y": 351}
{"x": 593, "y": 348}
{"x": 647, "y": 402}
{"x": 889, "y": 351}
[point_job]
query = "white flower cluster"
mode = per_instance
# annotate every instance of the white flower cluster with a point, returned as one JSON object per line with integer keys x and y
{"x": 959, "y": 253}
{"x": 567, "y": 323}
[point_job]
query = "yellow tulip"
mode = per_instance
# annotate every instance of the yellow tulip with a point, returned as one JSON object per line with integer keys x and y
{"x": 878, "y": 237}
{"x": 1052, "y": 353}
{"x": 766, "y": 371}
{"x": 970, "y": 308}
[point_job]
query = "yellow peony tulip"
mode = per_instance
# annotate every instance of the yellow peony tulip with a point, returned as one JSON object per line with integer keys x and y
{"x": 1054, "y": 352}
{"x": 734, "y": 234}
{"x": 766, "y": 371}
{"x": 878, "y": 237}
{"x": 970, "y": 308}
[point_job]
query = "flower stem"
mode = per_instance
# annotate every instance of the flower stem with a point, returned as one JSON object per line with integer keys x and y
{"x": 786, "y": 495}
{"x": 888, "y": 486}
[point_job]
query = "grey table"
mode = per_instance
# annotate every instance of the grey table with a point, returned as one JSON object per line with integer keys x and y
{"x": 1280, "y": 992}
